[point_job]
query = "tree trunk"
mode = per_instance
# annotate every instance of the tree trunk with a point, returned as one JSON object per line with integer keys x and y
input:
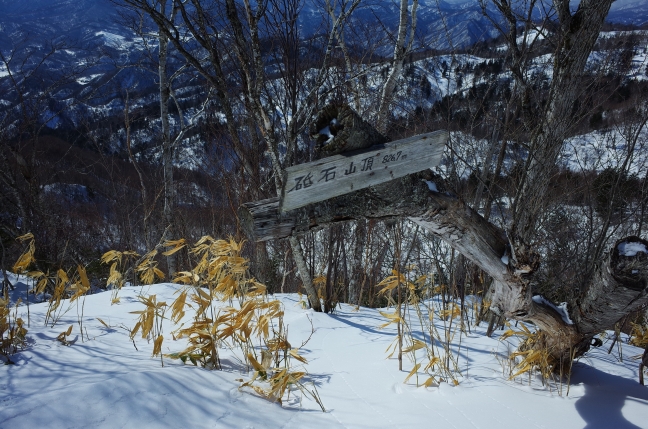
{"x": 357, "y": 270}
{"x": 618, "y": 288}
{"x": 620, "y": 282}
{"x": 401, "y": 49}
{"x": 577, "y": 35}
{"x": 298, "y": 256}
{"x": 167, "y": 143}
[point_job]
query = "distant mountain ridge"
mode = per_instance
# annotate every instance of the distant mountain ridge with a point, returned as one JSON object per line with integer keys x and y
{"x": 441, "y": 24}
{"x": 45, "y": 20}
{"x": 88, "y": 65}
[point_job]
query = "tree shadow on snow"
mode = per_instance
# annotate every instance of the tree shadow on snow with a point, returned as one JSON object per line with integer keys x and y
{"x": 363, "y": 327}
{"x": 605, "y": 396}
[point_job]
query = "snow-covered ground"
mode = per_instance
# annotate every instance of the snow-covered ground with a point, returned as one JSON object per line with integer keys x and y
{"x": 599, "y": 150}
{"x": 104, "y": 382}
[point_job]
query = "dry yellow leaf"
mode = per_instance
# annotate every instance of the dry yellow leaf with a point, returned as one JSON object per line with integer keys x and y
{"x": 25, "y": 237}
{"x": 300, "y": 358}
{"x": 417, "y": 345}
{"x": 429, "y": 382}
{"x": 157, "y": 345}
{"x": 412, "y": 372}
{"x": 176, "y": 245}
{"x": 435, "y": 360}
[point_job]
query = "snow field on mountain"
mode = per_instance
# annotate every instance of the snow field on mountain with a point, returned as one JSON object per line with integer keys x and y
{"x": 105, "y": 382}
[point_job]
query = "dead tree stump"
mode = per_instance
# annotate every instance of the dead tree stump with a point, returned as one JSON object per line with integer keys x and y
{"x": 337, "y": 128}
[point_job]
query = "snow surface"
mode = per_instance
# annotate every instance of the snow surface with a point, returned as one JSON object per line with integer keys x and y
{"x": 599, "y": 150}
{"x": 631, "y": 249}
{"x": 104, "y": 382}
{"x": 84, "y": 80}
{"x": 112, "y": 40}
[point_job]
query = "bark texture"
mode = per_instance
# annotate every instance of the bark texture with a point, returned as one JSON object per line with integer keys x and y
{"x": 577, "y": 33}
{"x": 621, "y": 282}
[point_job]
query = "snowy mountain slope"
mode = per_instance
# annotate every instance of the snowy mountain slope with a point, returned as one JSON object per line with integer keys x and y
{"x": 43, "y": 20}
{"x": 93, "y": 21}
{"x": 460, "y": 20}
{"x": 629, "y": 12}
{"x": 104, "y": 382}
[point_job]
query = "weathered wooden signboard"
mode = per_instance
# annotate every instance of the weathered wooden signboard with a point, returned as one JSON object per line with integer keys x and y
{"x": 340, "y": 174}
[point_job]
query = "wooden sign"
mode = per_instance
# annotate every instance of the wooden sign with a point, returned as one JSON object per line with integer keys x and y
{"x": 340, "y": 174}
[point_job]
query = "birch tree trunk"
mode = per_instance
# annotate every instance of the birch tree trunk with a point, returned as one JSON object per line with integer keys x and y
{"x": 168, "y": 146}
{"x": 353, "y": 83}
{"x": 357, "y": 269}
{"x": 402, "y": 47}
{"x": 304, "y": 275}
